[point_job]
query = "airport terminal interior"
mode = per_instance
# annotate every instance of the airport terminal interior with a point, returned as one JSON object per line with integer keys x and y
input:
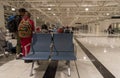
{"x": 82, "y": 39}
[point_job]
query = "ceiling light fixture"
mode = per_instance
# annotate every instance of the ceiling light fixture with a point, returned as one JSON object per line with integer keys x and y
{"x": 107, "y": 14}
{"x": 13, "y": 9}
{"x": 37, "y": 17}
{"x": 49, "y": 8}
{"x": 54, "y": 14}
{"x": 86, "y": 9}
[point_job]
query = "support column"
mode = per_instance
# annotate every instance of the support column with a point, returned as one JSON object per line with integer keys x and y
{"x": 97, "y": 29}
{"x": 89, "y": 29}
{"x": 2, "y": 19}
{"x": 94, "y": 29}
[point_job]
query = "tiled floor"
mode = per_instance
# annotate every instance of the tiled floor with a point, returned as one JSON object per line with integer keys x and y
{"x": 105, "y": 49}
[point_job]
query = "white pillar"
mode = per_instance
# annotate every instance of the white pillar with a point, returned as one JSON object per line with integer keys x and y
{"x": 92, "y": 28}
{"x": 89, "y": 28}
{"x": 97, "y": 29}
{"x": 2, "y": 19}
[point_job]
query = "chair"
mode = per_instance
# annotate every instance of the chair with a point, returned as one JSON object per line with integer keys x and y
{"x": 63, "y": 48}
{"x": 40, "y": 48}
{"x": 54, "y": 47}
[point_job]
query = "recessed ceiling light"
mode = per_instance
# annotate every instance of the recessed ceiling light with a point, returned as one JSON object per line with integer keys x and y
{"x": 37, "y": 17}
{"x": 54, "y": 14}
{"x": 86, "y": 9}
{"x": 13, "y": 9}
{"x": 105, "y": 50}
{"x": 49, "y": 8}
{"x": 84, "y": 57}
{"x": 107, "y": 14}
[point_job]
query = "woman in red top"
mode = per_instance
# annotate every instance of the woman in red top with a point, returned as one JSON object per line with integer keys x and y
{"x": 26, "y": 42}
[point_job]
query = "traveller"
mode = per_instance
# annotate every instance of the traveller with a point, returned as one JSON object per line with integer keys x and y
{"x": 25, "y": 30}
{"x": 67, "y": 30}
{"x": 110, "y": 30}
{"x": 60, "y": 30}
{"x": 44, "y": 29}
{"x": 18, "y": 20}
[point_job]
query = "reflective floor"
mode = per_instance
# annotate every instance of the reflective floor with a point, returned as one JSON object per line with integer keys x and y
{"x": 98, "y": 56}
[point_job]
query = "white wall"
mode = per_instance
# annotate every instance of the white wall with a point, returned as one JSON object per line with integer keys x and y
{"x": 93, "y": 27}
{"x": 101, "y": 25}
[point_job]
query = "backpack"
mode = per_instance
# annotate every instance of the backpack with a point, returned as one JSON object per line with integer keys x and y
{"x": 44, "y": 26}
{"x": 13, "y": 22}
{"x": 24, "y": 29}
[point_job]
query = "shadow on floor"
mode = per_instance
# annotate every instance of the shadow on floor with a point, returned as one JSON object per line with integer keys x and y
{"x": 5, "y": 59}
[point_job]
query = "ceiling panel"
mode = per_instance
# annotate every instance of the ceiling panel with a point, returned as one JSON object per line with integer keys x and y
{"x": 68, "y": 12}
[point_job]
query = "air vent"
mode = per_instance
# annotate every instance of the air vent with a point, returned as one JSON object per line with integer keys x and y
{"x": 115, "y": 17}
